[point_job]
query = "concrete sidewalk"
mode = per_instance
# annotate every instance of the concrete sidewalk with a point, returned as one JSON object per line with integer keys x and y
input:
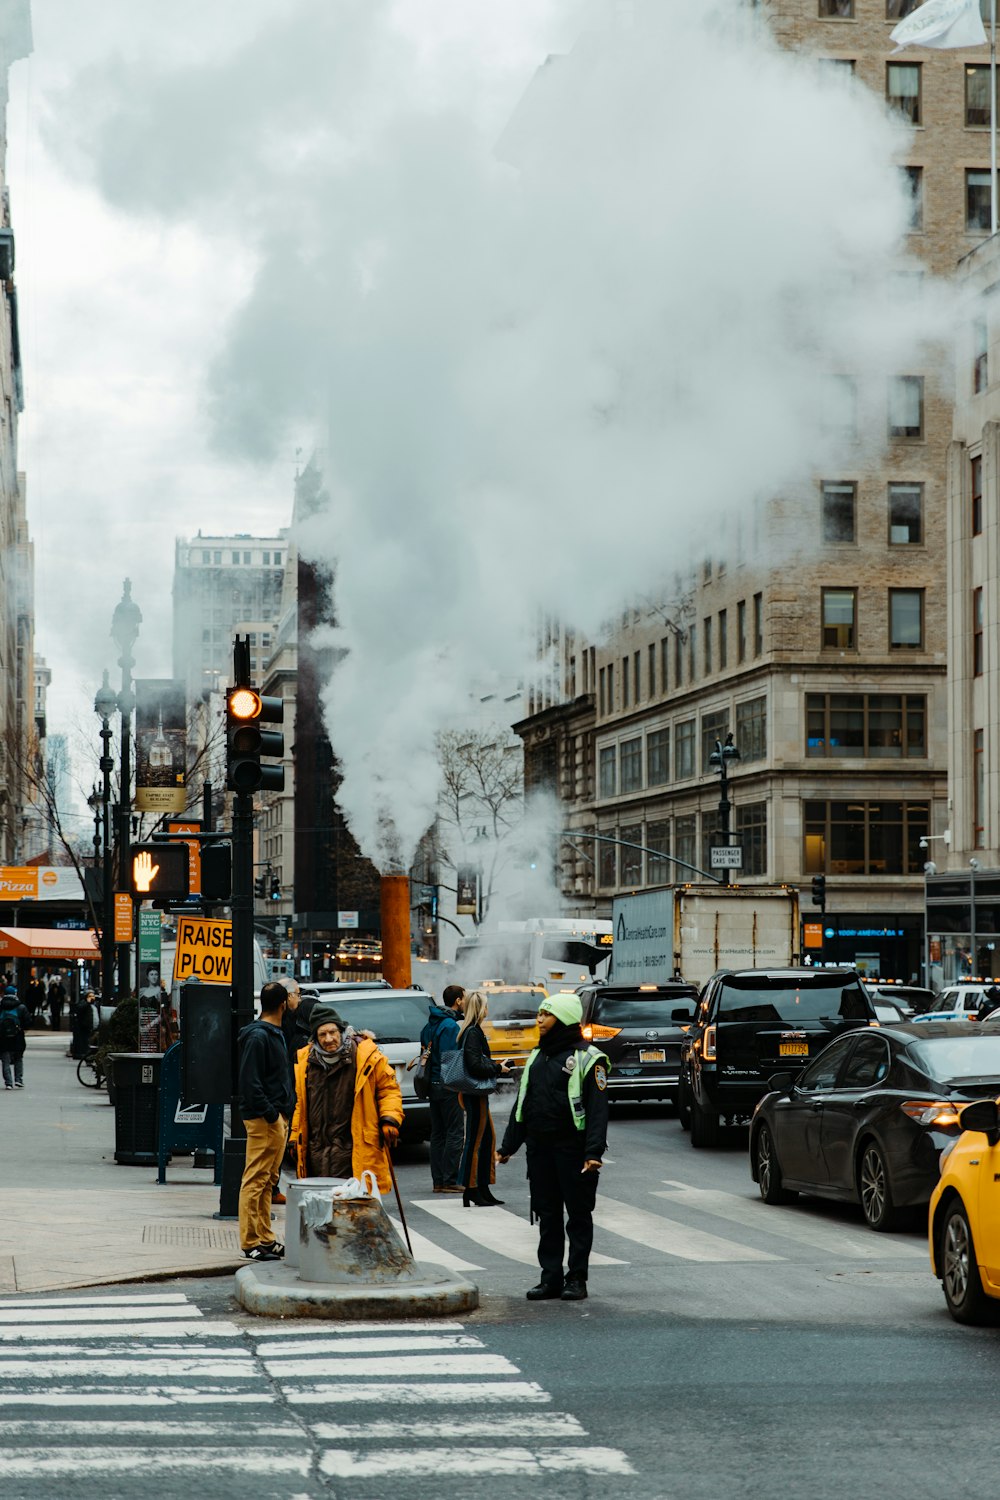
{"x": 72, "y": 1217}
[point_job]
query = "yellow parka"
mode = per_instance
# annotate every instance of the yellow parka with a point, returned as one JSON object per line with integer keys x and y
{"x": 376, "y": 1097}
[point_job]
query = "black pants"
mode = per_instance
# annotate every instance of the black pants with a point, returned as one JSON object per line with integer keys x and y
{"x": 559, "y": 1185}
{"x": 447, "y": 1133}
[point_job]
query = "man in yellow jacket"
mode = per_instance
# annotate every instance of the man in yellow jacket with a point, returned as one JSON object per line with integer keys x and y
{"x": 348, "y": 1107}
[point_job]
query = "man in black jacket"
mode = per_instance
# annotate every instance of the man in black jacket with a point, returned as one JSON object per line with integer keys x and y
{"x": 561, "y": 1115}
{"x": 266, "y": 1104}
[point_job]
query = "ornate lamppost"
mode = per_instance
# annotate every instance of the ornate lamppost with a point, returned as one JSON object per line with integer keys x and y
{"x": 125, "y": 624}
{"x": 104, "y": 706}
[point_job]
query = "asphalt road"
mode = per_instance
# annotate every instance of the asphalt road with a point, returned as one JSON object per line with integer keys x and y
{"x": 727, "y": 1350}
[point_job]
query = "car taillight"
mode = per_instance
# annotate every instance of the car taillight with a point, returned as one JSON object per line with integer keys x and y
{"x": 708, "y": 1044}
{"x": 603, "y": 1033}
{"x": 937, "y": 1114}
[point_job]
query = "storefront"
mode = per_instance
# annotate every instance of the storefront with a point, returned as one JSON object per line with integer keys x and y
{"x": 878, "y": 949}
{"x": 963, "y": 926}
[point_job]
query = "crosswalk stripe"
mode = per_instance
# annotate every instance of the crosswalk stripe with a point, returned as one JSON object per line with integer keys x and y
{"x": 521, "y": 1425}
{"x": 671, "y": 1237}
{"x": 787, "y": 1223}
{"x": 184, "y": 1430}
{"x": 343, "y": 1463}
{"x": 29, "y": 1463}
{"x": 15, "y": 1305}
{"x": 49, "y": 1369}
{"x": 426, "y": 1250}
{"x": 402, "y": 1393}
{"x": 325, "y": 1329}
{"x": 497, "y": 1230}
{"x": 401, "y": 1364}
{"x": 82, "y": 1313}
{"x": 382, "y": 1344}
{"x": 119, "y": 1396}
{"x": 120, "y": 1331}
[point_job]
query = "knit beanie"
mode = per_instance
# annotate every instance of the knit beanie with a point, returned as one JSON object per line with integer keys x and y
{"x": 323, "y": 1014}
{"x": 565, "y": 1006}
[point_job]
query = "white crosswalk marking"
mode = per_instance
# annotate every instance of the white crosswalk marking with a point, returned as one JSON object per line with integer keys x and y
{"x": 670, "y": 1236}
{"x": 505, "y": 1233}
{"x": 489, "y": 1463}
{"x": 426, "y": 1250}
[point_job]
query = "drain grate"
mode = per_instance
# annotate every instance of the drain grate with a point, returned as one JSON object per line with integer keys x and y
{"x": 203, "y": 1238}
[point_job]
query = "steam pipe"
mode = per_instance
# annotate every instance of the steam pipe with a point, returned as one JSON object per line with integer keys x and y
{"x": 396, "y": 958}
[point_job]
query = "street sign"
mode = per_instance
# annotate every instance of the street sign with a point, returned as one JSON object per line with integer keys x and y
{"x": 204, "y": 951}
{"x": 726, "y": 857}
{"x": 813, "y": 934}
{"x": 123, "y": 917}
{"x": 347, "y": 919}
{"x": 194, "y": 855}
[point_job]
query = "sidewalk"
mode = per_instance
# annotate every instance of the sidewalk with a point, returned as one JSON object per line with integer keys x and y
{"x": 71, "y": 1217}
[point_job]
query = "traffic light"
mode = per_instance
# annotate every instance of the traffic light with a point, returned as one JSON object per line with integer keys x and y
{"x": 159, "y": 872}
{"x": 275, "y": 888}
{"x": 260, "y": 887}
{"x": 819, "y": 892}
{"x": 247, "y": 741}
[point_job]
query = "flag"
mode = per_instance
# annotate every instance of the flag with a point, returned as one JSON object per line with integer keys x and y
{"x": 941, "y": 24}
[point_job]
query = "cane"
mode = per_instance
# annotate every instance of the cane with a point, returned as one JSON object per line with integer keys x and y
{"x": 395, "y": 1188}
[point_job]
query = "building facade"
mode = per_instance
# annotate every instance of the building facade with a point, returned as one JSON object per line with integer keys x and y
{"x": 221, "y": 582}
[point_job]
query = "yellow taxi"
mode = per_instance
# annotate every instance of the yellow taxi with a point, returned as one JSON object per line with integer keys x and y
{"x": 511, "y": 1026}
{"x": 964, "y": 1222}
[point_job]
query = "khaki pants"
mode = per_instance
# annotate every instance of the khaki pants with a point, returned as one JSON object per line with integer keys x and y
{"x": 265, "y": 1149}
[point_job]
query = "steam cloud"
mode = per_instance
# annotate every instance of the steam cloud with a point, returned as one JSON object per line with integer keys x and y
{"x": 552, "y": 348}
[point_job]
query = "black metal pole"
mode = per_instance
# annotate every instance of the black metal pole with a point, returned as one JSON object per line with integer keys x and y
{"x": 125, "y": 624}
{"x": 724, "y": 808}
{"x": 108, "y": 924}
{"x": 242, "y": 994}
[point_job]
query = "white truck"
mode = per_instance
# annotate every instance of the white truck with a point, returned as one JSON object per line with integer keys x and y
{"x": 691, "y": 931}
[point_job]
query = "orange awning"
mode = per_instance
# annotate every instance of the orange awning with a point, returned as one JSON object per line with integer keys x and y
{"x": 47, "y": 942}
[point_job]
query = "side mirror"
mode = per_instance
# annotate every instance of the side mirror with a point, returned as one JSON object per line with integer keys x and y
{"x": 983, "y": 1116}
{"x": 682, "y": 1013}
{"x": 781, "y": 1083}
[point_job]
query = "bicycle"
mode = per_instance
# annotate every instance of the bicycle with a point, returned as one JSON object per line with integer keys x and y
{"x": 89, "y": 1071}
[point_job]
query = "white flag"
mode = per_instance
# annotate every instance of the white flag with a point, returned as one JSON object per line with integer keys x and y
{"x": 941, "y": 23}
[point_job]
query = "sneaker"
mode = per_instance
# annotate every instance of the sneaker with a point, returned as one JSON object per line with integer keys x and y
{"x": 8, "y": 1085}
{"x": 449, "y": 1187}
{"x": 265, "y": 1252}
{"x": 19, "y": 1085}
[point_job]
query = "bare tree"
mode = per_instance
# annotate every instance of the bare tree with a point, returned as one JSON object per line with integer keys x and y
{"x": 481, "y": 803}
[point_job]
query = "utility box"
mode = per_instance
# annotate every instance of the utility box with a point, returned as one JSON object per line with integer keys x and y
{"x": 137, "y": 1108}
{"x": 206, "y": 1018}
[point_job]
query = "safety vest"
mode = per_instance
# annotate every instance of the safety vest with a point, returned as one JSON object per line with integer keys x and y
{"x": 586, "y": 1057}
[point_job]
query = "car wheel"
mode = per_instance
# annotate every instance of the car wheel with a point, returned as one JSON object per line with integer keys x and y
{"x": 875, "y": 1192}
{"x": 704, "y": 1126}
{"x": 963, "y": 1287}
{"x": 768, "y": 1170}
{"x": 683, "y": 1105}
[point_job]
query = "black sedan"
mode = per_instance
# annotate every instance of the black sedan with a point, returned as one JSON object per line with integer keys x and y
{"x": 867, "y": 1120}
{"x": 641, "y": 1028}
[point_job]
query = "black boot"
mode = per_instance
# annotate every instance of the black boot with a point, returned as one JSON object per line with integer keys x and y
{"x": 487, "y": 1200}
{"x": 544, "y": 1291}
{"x": 575, "y": 1289}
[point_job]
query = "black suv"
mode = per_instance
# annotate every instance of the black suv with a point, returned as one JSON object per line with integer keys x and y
{"x": 640, "y": 1027}
{"x": 755, "y": 1022}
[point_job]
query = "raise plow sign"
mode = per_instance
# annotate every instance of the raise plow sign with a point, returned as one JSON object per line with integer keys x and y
{"x": 204, "y": 951}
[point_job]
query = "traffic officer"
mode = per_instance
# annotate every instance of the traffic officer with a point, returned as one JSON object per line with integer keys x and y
{"x": 561, "y": 1115}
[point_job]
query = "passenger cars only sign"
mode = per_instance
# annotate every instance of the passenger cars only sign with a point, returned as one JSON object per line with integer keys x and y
{"x": 204, "y": 951}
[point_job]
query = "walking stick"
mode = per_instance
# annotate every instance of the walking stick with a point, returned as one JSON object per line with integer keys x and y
{"x": 395, "y": 1188}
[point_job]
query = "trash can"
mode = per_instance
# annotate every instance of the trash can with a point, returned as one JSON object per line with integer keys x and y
{"x": 137, "y": 1108}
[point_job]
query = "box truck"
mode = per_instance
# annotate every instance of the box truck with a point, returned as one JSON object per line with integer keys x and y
{"x": 691, "y": 931}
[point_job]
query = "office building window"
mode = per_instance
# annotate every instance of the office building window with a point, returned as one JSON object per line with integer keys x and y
{"x": 684, "y": 749}
{"x": 678, "y": 660}
{"x": 236, "y": 557}
{"x": 977, "y": 96}
{"x": 884, "y": 726}
{"x": 836, "y": 10}
{"x": 658, "y": 757}
{"x": 607, "y": 862}
{"x": 600, "y": 692}
{"x": 651, "y": 667}
{"x": 906, "y": 406}
{"x": 906, "y": 619}
{"x": 839, "y": 505}
{"x": 864, "y": 838}
{"x": 751, "y": 729}
{"x": 723, "y": 639}
{"x": 978, "y": 790}
{"x": 714, "y": 726}
{"x": 217, "y": 558}
{"x": 758, "y": 624}
{"x": 706, "y": 626}
{"x": 978, "y": 209}
{"x": 658, "y": 838}
{"x": 895, "y": 10}
{"x": 625, "y": 683}
{"x": 980, "y": 356}
{"x": 277, "y": 559}
{"x": 977, "y": 632}
{"x": 902, "y": 88}
{"x": 631, "y": 765}
{"x": 692, "y": 653}
{"x": 914, "y": 180}
{"x": 206, "y": 557}
{"x": 906, "y": 515}
{"x": 751, "y": 831}
{"x": 630, "y": 860}
{"x": 664, "y": 664}
{"x": 247, "y": 556}
{"x": 637, "y": 677}
{"x": 741, "y": 631}
{"x": 608, "y": 762}
{"x": 840, "y": 608}
{"x": 611, "y": 688}
{"x": 267, "y": 559}
{"x": 686, "y": 842}
{"x": 976, "y": 485}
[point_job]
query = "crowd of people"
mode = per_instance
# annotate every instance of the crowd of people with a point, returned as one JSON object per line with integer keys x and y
{"x": 322, "y": 1096}
{"x": 46, "y": 1001}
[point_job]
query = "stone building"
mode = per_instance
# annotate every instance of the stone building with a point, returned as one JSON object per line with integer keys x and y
{"x": 818, "y": 637}
{"x": 221, "y": 582}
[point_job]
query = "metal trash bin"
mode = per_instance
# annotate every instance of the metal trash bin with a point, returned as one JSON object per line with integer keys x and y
{"x": 137, "y": 1108}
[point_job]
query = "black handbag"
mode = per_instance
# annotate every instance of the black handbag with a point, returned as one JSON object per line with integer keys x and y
{"x": 455, "y": 1077}
{"x": 420, "y": 1067}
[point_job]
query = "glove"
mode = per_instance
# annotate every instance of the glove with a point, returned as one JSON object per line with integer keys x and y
{"x": 390, "y": 1133}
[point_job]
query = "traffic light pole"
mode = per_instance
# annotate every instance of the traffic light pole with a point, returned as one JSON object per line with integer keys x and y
{"x": 242, "y": 993}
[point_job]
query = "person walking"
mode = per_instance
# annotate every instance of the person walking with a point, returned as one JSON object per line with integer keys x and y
{"x": 13, "y": 1020}
{"x": 561, "y": 1117}
{"x": 56, "y": 999}
{"x": 348, "y": 1107}
{"x": 34, "y": 997}
{"x": 440, "y": 1034}
{"x": 82, "y": 1018}
{"x": 477, "y": 1171}
{"x": 266, "y": 1104}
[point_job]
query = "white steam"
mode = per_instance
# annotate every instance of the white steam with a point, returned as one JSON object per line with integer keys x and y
{"x": 551, "y": 349}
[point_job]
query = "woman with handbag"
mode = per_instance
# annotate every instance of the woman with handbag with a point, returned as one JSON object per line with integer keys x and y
{"x": 478, "y": 1167}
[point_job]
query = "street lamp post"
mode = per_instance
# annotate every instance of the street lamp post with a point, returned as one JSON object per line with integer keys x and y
{"x": 104, "y": 707}
{"x": 125, "y": 624}
{"x": 720, "y": 760}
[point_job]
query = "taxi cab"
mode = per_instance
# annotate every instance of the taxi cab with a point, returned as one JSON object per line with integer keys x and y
{"x": 511, "y": 1026}
{"x": 964, "y": 1220}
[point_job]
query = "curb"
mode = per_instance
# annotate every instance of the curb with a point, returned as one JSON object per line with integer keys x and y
{"x": 275, "y": 1291}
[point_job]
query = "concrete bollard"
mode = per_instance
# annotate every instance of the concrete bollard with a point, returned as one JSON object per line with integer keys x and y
{"x": 349, "y": 1241}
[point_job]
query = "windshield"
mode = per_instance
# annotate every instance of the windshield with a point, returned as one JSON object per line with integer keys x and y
{"x": 515, "y": 1005}
{"x": 398, "y": 1019}
{"x": 952, "y": 1058}
{"x": 791, "y": 1000}
{"x": 640, "y": 1010}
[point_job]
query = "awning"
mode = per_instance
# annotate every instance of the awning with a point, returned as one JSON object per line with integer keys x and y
{"x": 47, "y": 942}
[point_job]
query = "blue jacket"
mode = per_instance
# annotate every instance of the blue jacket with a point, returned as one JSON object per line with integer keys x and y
{"x": 441, "y": 1035}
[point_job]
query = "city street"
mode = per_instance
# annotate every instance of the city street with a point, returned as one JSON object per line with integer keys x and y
{"x": 727, "y": 1349}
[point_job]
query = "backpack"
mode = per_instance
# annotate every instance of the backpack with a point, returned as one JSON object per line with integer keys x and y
{"x": 11, "y": 1030}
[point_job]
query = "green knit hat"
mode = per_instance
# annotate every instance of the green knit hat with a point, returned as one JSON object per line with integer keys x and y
{"x": 324, "y": 1015}
{"x": 565, "y": 1006}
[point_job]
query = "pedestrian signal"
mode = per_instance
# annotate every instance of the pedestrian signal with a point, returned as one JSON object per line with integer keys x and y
{"x": 159, "y": 872}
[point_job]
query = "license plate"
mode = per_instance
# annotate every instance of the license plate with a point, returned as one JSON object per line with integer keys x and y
{"x": 793, "y": 1049}
{"x": 652, "y": 1054}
